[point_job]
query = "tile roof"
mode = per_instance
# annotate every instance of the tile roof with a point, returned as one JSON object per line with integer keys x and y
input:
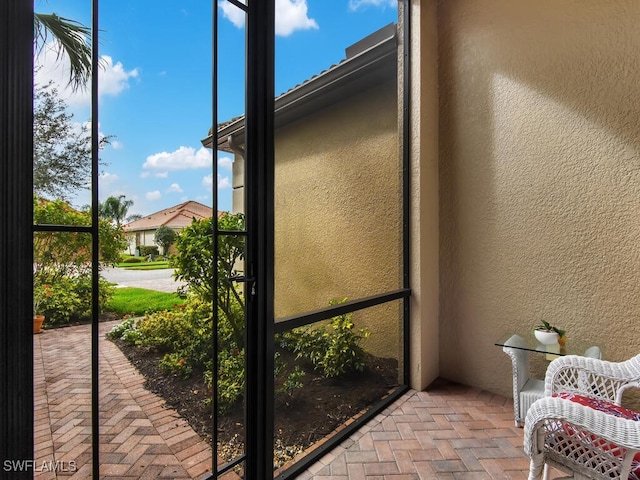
{"x": 178, "y": 216}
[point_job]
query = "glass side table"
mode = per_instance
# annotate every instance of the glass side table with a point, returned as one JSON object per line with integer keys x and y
{"x": 527, "y": 390}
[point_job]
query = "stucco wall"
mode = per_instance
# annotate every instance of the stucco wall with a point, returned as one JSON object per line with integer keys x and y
{"x": 539, "y": 177}
{"x": 423, "y": 223}
{"x": 338, "y": 212}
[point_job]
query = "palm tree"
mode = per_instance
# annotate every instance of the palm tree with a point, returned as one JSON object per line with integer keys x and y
{"x": 72, "y": 39}
{"x": 115, "y": 208}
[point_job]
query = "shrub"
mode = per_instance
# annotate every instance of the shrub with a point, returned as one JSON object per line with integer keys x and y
{"x": 128, "y": 323}
{"x": 132, "y": 260}
{"x": 289, "y": 383}
{"x": 195, "y": 263}
{"x": 184, "y": 336}
{"x": 68, "y": 298}
{"x": 60, "y": 303}
{"x": 231, "y": 378}
{"x": 146, "y": 250}
{"x": 333, "y": 351}
{"x": 179, "y": 330}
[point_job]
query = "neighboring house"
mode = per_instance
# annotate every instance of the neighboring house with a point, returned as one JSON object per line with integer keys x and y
{"x": 337, "y": 158}
{"x": 142, "y": 231}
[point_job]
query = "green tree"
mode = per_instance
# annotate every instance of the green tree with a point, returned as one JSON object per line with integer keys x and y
{"x": 165, "y": 237}
{"x": 59, "y": 254}
{"x": 71, "y": 39}
{"x": 194, "y": 263}
{"x": 115, "y": 208}
{"x": 62, "y": 261}
{"x": 61, "y": 148}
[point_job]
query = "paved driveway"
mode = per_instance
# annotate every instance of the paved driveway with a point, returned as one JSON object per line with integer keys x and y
{"x": 160, "y": 280}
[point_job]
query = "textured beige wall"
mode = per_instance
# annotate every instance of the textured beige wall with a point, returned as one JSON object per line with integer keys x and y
{"x": 540, "y": 177}
{"x": 338, "y": 212}
{"x": 423, "y": 158}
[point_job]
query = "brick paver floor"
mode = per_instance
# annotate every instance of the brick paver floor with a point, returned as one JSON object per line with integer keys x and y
{"x": 448, "y": 432}
{"x": 140, "y": 437}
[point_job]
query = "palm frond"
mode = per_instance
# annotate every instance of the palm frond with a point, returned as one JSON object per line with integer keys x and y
{"x": 72, "y": 39}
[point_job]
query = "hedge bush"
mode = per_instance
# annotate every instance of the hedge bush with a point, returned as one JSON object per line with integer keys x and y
{"x": 146, "y": 250}
{"x": 132, "y": 260}
{"x": 68, "y": 299}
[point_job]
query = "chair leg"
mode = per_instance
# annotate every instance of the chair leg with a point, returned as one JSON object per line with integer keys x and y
{"x": 536, "y": 467}
{"x": 545, "y": 474}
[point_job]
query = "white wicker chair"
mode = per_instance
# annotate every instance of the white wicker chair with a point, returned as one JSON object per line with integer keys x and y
{"x": 526, "y": 389}
{"x": 577, "y": 439}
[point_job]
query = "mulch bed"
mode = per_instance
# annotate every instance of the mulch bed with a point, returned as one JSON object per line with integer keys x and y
{"x": 311, "y": 413}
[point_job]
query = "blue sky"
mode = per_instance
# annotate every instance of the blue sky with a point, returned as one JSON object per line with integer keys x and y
{"x": 155, "y": 90}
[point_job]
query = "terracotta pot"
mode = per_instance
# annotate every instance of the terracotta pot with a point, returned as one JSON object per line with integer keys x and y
{"x": 37, "y": 323}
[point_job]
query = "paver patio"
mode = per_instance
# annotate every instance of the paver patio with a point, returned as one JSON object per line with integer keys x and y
{"x": 449, "y": 432}
{"x": 140, "y": 437}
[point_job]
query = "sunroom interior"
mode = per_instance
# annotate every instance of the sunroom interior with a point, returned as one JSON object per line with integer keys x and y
{"x": 492, "y": 181}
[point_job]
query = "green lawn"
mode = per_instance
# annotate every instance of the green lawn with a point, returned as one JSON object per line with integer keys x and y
{"x": 144, "y": 265}
{"x": 138, "y": 301}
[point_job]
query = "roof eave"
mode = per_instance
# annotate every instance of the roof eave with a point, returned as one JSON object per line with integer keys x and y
{"x": 351, "y": 75}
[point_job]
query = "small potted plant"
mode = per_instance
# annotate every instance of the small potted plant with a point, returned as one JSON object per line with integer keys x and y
{"x": 547, "y": 334}
{"x": 39, "y": 295}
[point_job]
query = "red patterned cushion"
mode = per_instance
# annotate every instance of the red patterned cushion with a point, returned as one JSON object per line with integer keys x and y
{"x": 611, "y": 409}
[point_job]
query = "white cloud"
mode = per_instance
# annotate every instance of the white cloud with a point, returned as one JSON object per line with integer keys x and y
{"x": 233, "y": 13}
{"x": 175, "y": 188}
{"x": 356, "y": 4}
{"x": 147, "y": 174}
{"x": 155, "y": 195}
{"x": 107, "y": 178}
{"x": 116, "y": 145}
{"x": 291, "y": 15}
{"x": 223, "y": 182}
{"x": 106, "y": 193}
{"x": 184, "y": 158}
{"x": 113, "y": 78}
{"x": 225, "y": 162}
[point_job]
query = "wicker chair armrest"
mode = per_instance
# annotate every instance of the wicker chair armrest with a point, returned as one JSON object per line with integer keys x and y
{"x": 620, "y": 431}
{"x": 591, "y": 376}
